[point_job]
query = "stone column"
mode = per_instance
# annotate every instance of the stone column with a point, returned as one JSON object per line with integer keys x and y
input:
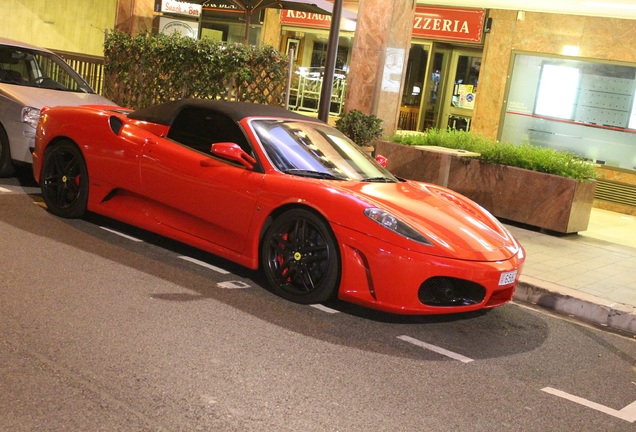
{"x": 134, "y": 16}
{"x": 270, "y": 35}
{"x": 379, "y": 58}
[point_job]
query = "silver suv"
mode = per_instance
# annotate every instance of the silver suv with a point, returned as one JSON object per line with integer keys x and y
{"x": 31, "y": 78}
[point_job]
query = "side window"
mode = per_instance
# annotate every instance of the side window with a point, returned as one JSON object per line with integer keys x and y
{"x": 12, "y": 66}
{"x": 199, "y": 129}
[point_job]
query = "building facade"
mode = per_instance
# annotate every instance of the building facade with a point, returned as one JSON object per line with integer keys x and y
{"x": 551, "y": 79}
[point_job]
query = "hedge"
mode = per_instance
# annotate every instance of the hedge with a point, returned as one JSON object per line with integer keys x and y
{"x": 541, "y": 159}
{"x": 148, "y": 69}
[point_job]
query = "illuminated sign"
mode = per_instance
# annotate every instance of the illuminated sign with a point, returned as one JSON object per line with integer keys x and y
{"x": 449, "y": 23}
{"x": 181, "y": 8}
{"x": 305, "y": 19}
{"x": 465, "y": 25}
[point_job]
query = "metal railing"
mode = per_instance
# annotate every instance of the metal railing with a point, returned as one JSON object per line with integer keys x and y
{"x": 91, "y": 68}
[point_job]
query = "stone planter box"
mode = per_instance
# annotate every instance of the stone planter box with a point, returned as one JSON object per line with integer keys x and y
{"x": 553, "y": 203}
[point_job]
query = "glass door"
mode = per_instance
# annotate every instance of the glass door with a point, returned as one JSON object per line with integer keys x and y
{"x": 436, "y": 79}
{"x": 461, "y": 91}
{"x": 414, "y": 85}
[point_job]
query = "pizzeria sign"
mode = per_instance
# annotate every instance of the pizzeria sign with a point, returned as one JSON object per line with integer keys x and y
{"x": 453, "y": 24}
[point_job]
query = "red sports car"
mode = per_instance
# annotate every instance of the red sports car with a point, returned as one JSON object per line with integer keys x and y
{"x": 263, "y": 186}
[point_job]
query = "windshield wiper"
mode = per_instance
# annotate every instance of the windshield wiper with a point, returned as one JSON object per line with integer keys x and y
{"x": 313, "y": 174}
{"x": 379, "y": 180}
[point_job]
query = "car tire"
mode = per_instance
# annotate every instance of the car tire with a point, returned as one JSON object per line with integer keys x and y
{"x": 300, "y": 257}
{"x": 64, "y": 180}
{"x": 6, "y": 167}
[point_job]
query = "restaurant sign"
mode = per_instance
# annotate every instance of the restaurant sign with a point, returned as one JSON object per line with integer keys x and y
{"x": 453, "y": 24}
{"x": 304, "y": 19}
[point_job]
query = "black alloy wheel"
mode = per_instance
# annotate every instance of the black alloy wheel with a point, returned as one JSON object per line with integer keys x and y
{"x": 300, "y": 257}
{"x": 64, "y": 180}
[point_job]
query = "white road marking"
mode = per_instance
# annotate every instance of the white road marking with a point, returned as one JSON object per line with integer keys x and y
{"x": 324, "y": 308}
{"x": 436, "y": 349}
{"x": 628, "y": 413}
{"x": 121, "y": 234}
{"x": 4, "y": 190}
{"x": 204, "y": 264}
{"x": 233, "y": 285}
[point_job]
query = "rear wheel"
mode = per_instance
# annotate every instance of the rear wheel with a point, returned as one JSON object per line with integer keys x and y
{"x": 300, "y": 258}
{"x": 64, "y": 180}
{"x": 6, "y": 167}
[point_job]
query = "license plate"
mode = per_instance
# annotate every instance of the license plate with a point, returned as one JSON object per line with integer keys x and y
{"x": 507, "y": 278}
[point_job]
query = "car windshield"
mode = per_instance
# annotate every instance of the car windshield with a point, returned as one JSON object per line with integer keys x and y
{"x": 316, "y": 150}
{"x": 40, "y": 69}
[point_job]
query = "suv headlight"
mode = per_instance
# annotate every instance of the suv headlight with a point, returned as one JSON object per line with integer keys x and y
{"x": 31, "y": 116}
{"x": 390, "y": 222}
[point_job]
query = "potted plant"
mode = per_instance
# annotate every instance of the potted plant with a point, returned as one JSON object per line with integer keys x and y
{"x": 537, "y": 186}
{"x": 363, "y": 129}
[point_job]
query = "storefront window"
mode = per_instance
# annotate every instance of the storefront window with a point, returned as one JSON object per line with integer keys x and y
{"x": 414, "y": 87}
{"x": 435, "y": 83}
{"x": 415, "y": 75}
{"x": 585, "y": 107}
{"x": 460, "y": 98}
{"x": 229, "y": 27}
{"x": 466, "y": 80}
{"x": 309, "y": 69}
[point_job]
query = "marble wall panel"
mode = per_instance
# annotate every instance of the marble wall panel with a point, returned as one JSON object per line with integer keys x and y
{"x": 134, "y": 16}
{"x": 609, "y": 39}
{"x": 271, "y": 33}
{"x": 493, "y": 74}
{"x": 383, "y": 38}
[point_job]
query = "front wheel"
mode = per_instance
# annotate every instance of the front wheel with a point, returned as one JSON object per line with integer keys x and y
{"x": 64, "y": 180}
{"x": 300, "y": 257}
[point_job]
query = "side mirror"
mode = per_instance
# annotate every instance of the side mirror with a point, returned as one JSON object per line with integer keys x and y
{"x": 382, "y": 160}
{"x": 233, "y": 152}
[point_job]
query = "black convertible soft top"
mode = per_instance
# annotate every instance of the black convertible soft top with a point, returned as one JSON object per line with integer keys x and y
{"x": 165, "y": 113}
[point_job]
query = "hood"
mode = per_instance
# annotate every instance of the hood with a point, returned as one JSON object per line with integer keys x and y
{"x": 39, "y": 97}
{"x": 457, "y": 226}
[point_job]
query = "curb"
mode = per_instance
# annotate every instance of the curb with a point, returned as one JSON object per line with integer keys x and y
{"x": 575, "y": 303}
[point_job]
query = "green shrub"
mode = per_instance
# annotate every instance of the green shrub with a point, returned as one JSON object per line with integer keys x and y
{"x": 147, "y": 69}
{"x": 541, "y": 159}
{"x": 361, "y": 128}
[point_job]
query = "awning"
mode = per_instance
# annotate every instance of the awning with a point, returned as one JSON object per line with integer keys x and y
{"x": 324, "y": 7}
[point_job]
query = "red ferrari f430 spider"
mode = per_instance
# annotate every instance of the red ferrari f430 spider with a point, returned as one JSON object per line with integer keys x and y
{"x": 272, "y": 189}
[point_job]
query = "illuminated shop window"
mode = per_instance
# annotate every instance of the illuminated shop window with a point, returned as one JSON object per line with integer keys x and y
{"x": 585, "y": 107}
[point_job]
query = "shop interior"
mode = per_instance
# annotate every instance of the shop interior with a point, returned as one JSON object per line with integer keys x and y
{"x": 309, "y": 50}
{"x": 440, "y": 87}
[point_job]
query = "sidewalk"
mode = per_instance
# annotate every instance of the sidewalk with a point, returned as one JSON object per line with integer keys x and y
{"x": 590, "y": 275}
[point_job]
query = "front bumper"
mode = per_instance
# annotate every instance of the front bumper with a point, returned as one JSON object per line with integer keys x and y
{"x": 392, "y": 279}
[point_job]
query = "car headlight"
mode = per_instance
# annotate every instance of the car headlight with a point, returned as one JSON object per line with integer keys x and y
{"x": 390, "y": 222}
{"x": 31, "y": 116}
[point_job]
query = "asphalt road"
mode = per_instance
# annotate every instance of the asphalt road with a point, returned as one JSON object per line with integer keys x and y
{"x": 100, "y": 331}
